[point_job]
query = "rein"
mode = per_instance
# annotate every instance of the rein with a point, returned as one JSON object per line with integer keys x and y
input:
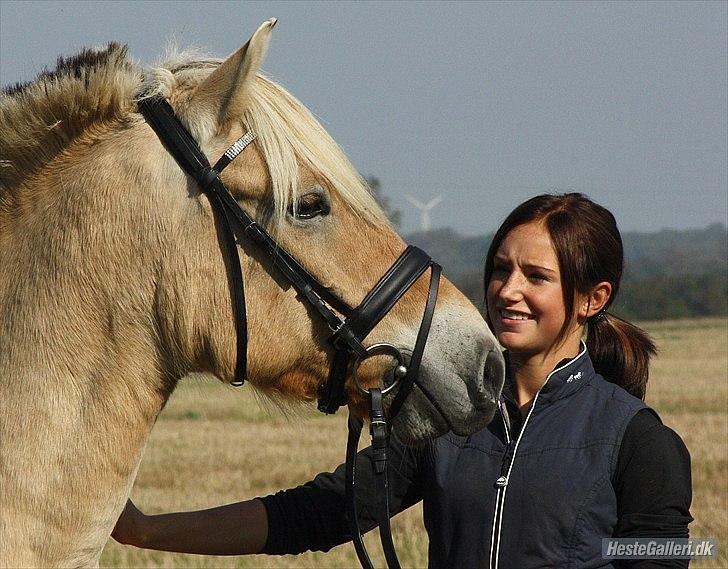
{"x": 349, "y": 325}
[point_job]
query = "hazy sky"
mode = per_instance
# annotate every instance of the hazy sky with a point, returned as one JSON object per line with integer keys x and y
{"x": 485, "y": 104}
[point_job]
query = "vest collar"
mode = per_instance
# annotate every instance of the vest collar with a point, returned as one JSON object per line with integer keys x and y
{"x": 566, "y": 378}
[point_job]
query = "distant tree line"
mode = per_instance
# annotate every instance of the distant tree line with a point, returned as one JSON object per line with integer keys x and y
{"x": 685, "y": 276}
{"x": 668, "y": 274}
{"x": 674, "y": 296}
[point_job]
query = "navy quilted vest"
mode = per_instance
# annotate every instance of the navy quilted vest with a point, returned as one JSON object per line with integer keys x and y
{"x": 541, "y": 497}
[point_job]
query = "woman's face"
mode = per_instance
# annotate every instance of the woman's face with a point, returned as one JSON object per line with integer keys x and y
{"x": 524, "y": 296}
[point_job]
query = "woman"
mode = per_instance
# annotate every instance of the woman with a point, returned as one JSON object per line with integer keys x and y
{"x": 572, "y": 456}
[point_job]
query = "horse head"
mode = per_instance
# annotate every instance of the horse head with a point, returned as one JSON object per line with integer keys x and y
{"x": 297, "y": 181}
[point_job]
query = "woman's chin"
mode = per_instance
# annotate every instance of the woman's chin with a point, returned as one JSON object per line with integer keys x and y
{"x": 512, "y": 341}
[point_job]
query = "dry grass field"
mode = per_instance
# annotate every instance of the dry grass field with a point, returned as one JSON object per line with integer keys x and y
{"x": 214, "y": 444}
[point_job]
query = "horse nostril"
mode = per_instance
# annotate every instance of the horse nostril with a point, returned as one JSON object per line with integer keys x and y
{"x": 485, "y": 396}
{"x": 494, "y": 371}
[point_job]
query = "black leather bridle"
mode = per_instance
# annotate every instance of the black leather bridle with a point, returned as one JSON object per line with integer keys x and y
{"x": 348, "y": 330}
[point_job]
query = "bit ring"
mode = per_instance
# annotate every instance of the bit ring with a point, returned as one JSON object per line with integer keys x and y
{"x": 382, "y": 349}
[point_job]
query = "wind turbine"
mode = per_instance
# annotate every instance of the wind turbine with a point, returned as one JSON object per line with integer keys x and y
{"x": 425, "y": 209}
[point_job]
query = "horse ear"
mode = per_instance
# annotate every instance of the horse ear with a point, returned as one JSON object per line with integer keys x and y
{"x": 222, "y": 96}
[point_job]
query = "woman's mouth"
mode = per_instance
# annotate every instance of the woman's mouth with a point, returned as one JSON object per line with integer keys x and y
{"x": 514, "y": 315}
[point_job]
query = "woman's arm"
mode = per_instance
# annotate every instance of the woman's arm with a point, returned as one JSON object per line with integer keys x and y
{"x": 234, "y": 529}
{"x": 313, "y": 516}
{"x": 309, "y": 517}
{"x": 653, "y": 486}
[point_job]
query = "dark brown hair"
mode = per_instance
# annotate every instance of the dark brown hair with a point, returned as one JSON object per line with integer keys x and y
{"x": 589, "y": 250}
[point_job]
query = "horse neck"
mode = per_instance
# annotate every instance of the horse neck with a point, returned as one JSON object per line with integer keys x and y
{"x": 71, "y": 443}
{"x": 70, "y": 449}
{"x": 82, "y": 379}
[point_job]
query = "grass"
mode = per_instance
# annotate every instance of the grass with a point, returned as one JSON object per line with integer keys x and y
{"x": 689, "y": 388}
{"x": 213, "y": 444}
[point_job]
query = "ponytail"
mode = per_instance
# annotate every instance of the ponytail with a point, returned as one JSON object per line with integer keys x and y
{"x": 620, "y": 352}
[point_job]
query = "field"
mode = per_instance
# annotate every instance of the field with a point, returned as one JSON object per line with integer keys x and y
{"x": 214, "y": 444}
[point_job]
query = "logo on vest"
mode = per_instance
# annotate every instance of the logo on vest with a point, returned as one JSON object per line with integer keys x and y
{"x": 573, "y": 377}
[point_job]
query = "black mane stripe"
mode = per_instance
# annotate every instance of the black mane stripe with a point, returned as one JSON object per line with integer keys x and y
{"x": 76, "y": 66}
{"x": 40, "y": 118}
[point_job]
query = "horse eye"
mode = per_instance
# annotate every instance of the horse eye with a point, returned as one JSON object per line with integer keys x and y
{"x": 309, "y": 206}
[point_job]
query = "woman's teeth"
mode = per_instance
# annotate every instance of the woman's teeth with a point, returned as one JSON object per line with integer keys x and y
{"x": 514, "y": 315}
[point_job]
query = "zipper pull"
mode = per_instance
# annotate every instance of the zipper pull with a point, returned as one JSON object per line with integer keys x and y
{"x": 502, "y": 480}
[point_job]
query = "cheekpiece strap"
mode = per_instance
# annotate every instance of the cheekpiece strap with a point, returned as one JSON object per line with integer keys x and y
{"x": 187, "y": 153}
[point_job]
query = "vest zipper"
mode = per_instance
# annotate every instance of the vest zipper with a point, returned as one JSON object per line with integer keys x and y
{"x": 502, "y": 482}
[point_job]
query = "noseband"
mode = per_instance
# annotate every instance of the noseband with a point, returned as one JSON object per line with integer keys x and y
{"x": 348, "y": 331}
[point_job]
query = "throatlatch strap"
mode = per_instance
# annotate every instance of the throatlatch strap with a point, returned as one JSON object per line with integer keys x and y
{"x": 188, "y": 155}
{"x": 238, "y": 293}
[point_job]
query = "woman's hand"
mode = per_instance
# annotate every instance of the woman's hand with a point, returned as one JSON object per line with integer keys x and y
{"x": 129, "y": 528}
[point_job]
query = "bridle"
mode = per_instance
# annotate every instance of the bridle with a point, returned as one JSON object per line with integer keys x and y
{"x": 348, "y": 331}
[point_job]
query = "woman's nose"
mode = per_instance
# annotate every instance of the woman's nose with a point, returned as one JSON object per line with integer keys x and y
{"x": 511, "y": 290}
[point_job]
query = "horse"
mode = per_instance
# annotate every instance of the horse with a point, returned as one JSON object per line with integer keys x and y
{"x": 113, "y": 284}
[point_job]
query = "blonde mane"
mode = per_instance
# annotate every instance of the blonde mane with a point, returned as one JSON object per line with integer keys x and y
{"x": 97, "y": 88}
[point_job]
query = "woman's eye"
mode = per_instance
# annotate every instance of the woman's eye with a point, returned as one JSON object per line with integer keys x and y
{"x": 500, "y": 269}
{"x": 309, "y": 206}
{"x": 538, "y": 277}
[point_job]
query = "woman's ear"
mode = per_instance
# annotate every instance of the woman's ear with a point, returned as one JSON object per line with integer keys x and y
{"x": 593, "y": 302}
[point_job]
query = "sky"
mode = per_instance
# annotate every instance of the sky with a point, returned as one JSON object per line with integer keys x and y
{"x": 483, "y": 103}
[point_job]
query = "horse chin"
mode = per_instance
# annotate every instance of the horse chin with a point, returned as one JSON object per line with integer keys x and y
{"x": 420, "y": 419}
{"x": 425, "y": 415}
